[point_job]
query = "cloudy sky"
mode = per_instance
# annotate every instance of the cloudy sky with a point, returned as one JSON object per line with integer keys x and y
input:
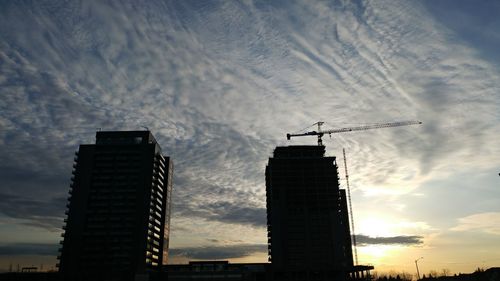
{"x": 220, "y": 83}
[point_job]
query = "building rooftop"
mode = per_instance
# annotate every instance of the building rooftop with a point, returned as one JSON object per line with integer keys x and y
{"x": 299, "y": 151}
{"x": 124, "y": 137}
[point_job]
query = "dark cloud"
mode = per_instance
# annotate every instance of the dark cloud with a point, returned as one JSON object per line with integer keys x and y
{"x": 45, "y": 214}
{"x": 34, "y": 182}
{"x": 364, "y": 240}
{"x": 33, "y": 249}
{"x": 218, "y": 252}
{"x": 226, "y": 212}
{"x": 232, "y": 213}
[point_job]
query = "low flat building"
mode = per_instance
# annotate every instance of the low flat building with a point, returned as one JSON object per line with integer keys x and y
{"x": 215, "y": 271}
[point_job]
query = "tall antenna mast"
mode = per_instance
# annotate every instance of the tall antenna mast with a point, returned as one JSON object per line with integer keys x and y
{"x": 350, "y": 209}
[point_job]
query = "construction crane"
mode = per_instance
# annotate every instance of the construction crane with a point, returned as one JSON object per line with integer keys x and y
{"x": 321, "y": 133}
{"x": 353, "y": 233}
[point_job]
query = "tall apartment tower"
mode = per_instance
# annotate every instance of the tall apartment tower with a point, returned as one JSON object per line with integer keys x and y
{"x": 307, "y": 220}
{"x": 118, "y": 220}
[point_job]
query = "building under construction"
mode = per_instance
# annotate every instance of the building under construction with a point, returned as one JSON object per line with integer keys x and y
{"x": 309, "y": 236}
{"x": 307, "y": 219}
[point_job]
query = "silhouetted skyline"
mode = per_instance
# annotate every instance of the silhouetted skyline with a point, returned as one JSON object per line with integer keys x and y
{"x": 222, "y": 83}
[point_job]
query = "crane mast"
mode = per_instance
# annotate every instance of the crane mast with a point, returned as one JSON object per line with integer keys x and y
{"x": 321, "y": 133}
{"x": 353, "y": 233}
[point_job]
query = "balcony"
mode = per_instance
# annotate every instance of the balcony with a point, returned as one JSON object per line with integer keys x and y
{"x": 161, "y": 168}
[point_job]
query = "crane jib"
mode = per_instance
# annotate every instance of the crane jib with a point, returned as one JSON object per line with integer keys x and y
{"x": 320, "y": 132}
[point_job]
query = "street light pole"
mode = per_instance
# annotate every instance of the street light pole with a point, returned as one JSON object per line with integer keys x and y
{"x": 416, "y": 265}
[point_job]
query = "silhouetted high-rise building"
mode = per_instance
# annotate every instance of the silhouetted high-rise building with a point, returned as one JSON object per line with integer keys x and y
{"x": 119, "y": 209}
{"x": 307, "y": 219}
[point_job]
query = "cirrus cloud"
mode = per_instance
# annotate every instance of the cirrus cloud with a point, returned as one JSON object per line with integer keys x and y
{"x": 488, "y": 222}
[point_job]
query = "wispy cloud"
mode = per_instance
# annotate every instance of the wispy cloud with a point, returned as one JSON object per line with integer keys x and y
{"x": 483, "y": 222}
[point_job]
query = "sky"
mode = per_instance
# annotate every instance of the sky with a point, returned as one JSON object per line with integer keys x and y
{"x": 220, "y": 83}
